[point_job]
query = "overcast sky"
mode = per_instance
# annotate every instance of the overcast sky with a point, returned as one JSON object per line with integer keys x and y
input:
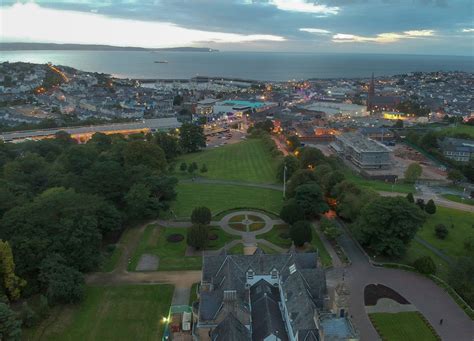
{"x": 381, "y": 26}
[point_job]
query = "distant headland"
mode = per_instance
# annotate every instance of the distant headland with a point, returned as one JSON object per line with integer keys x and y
{"x": 90, "y": 47}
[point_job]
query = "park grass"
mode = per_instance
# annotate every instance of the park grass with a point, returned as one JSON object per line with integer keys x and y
{"x": 462, "y": 229}
{"x": 417, "y": 250}
{"x": 193, "y": 297}
{"x": 459, "y": 129}
{"x": 273, "y": 236}
{"x": 223, "y": 197}
{"x": 376, "y": 185}
{"x": 236, "y": 249}
{"x": 404, "y": 326}
{"x": 247, "y": 161}
{"x": 318, "y": 245}
{"x": 125, "y": 312}
{"x": 457, "y": 198}
{"x": 171, "y": 255}
{"x": 223, "y": 238}
{"x": 111, "y": 259}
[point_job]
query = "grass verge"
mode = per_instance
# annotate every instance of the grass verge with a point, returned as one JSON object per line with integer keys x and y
{"x": 406, "y": 326}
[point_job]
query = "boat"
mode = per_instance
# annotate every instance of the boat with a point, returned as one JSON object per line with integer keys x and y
{"x": 161, "y": 61}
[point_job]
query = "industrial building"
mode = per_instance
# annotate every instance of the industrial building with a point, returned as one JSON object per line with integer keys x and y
{"x": 362, "y": 151}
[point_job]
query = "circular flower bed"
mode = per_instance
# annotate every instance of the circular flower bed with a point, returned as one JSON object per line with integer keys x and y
{"x": 175, "y": 238}
{"x": 212, "y": 236}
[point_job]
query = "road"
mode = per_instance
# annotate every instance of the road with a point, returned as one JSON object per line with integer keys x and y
{"x": 431, "y": 300}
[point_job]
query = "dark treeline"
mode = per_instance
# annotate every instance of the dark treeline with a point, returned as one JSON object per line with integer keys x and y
{"x": 59, "y": 199}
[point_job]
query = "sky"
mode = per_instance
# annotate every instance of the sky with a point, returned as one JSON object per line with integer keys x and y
{"x": 439, "y": 27}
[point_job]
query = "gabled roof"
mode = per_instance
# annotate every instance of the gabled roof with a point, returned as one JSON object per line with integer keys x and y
{"x": 230, "y": 329}
{"x": 266, "y": 315}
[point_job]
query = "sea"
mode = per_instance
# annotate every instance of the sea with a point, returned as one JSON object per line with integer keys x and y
{"x": 265, "y": 66}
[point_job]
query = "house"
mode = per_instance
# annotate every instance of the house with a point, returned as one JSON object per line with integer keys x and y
{"x": 262, "y": 296}
{"x": 460, "y": 150}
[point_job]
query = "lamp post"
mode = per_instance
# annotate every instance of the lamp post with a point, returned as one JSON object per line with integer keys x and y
{"x": 284, "y": 181}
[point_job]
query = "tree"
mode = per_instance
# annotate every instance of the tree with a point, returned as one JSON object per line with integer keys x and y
{"x": 197, "y": 236}
{"x": 141, "y": 204}
{"x": 455, "y": 175}
{"x": 191, "y": 138}
{"x": 291, "y": 212}
{"x": 461, "y": 277}
{"x": 301, "y": 232}
{"x": 425, "y": 265}
{"x": 292, "y": 165}
{"x": 413, "y": 172}
{"x": 329, "y": 228}
{"x": 469, "y": 244}
{"x": 192, "y": 167}
{"x": 321, "y": 171}
{"x": 430, "y": 207}
{"x": 201, "y": 216}
{"x": 310, "y": 157}
{"x": 203, "y": 168}
{"x": 351, "y": 198}
{"x": 28, "y": 316}
{"x": 300, "y": 177}
{"x": 441, "y": 231}
{"x": 330, "y": 180}
{"x": 183, "y": 167}
{"x": 410, "y": 198}
{"x": 10, "y": 326}
{"x": 293, "y": 142}
{"x": 177, "y": 100}
{"x": 387, "y": 225}
{"x": 11, "y": 284}
{"x": 266, "y": 125}
{"x": 62, "y": 284}
{"x": 420, "y": 203}
{"x": 146, "y": 154}
{"x": 169, "y": 143}
{"x": 310, "y": 198}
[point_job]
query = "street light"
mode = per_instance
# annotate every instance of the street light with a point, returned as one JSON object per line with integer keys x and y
{"x": 284, "y": 181}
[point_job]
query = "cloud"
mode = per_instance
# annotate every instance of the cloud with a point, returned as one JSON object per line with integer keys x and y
{"x": 62, "y": 26}
{"x": 389, "y": 37}
{"x": 468, "y": 30}
{"x": 315, "y": 30}
{"x": 304, "y": 6}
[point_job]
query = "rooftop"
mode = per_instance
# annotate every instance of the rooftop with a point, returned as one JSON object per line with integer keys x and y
{"x": 361, "y": 143}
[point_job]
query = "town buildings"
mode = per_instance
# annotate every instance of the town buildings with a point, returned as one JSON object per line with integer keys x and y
{"x": 460, "y": 150}
{"x": 267, "y": 297}
{"x": 362, "y": 151}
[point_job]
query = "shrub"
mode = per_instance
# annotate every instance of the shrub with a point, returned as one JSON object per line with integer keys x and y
{"x": 197, "y": 236}
{"x": 284, "y": 235}
{"x": 329, "y": 229}
{"x": 441, "y": 231}
{"x": 204, "y": 168}
{"x": 425, "y": 265}
{"x": 28, "y": 316}
{"x": 183, "y": 167}
{"x": 410, "y": 197}
{"x": 212, "y": 236}
{"x": 201, "y": 215}
{"x": 430, "y": 207}
{"x": 420, "y": 203}
{"x": 469, "y": 244}
{"x": 301, "y": 232}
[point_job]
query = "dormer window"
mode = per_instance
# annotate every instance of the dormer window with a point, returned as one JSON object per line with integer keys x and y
{"x": 274, "y": 274}
{"x": 250, "y": 274}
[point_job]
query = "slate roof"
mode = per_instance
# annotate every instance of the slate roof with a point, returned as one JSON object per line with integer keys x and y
{"x": 230, "y": 329}
{"x": 303, "y": 285}
{"x": 266, "y": 315}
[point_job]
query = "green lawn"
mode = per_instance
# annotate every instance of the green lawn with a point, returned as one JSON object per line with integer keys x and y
{"x": 273, "y": 236}
{"x": 268, "y": 250}
{"x": 193, "y": 297}
{"x": 223, "y": 238}
{"x": 153, "y": 241}
{"x": 246, "y": 161}
{"x": 405, "y": 326}
{"x": 126, "y": 312}
{"x": 111, "y": 259}
{"x": 459, "y": 199}
{"x": 236, "y": 250}
{"x": 223, "y": 197}
{"x": 462, "y": 229}
{"x": 376, "y": 185}
{"x": 459, "y": 129}
{"x": 417, "y": 250}
{"x": 323, "y": 253}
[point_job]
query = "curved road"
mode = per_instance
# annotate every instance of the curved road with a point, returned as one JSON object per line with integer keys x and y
{"x": 431, "y": 300}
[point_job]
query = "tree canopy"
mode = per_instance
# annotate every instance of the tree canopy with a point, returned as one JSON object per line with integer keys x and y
{"x": 387, "y": 225}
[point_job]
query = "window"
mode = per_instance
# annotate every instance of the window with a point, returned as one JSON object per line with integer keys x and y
{"x": 292, "y": 269}
{"x": 274, "y": 274}
{"x": 250, "y": 274}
